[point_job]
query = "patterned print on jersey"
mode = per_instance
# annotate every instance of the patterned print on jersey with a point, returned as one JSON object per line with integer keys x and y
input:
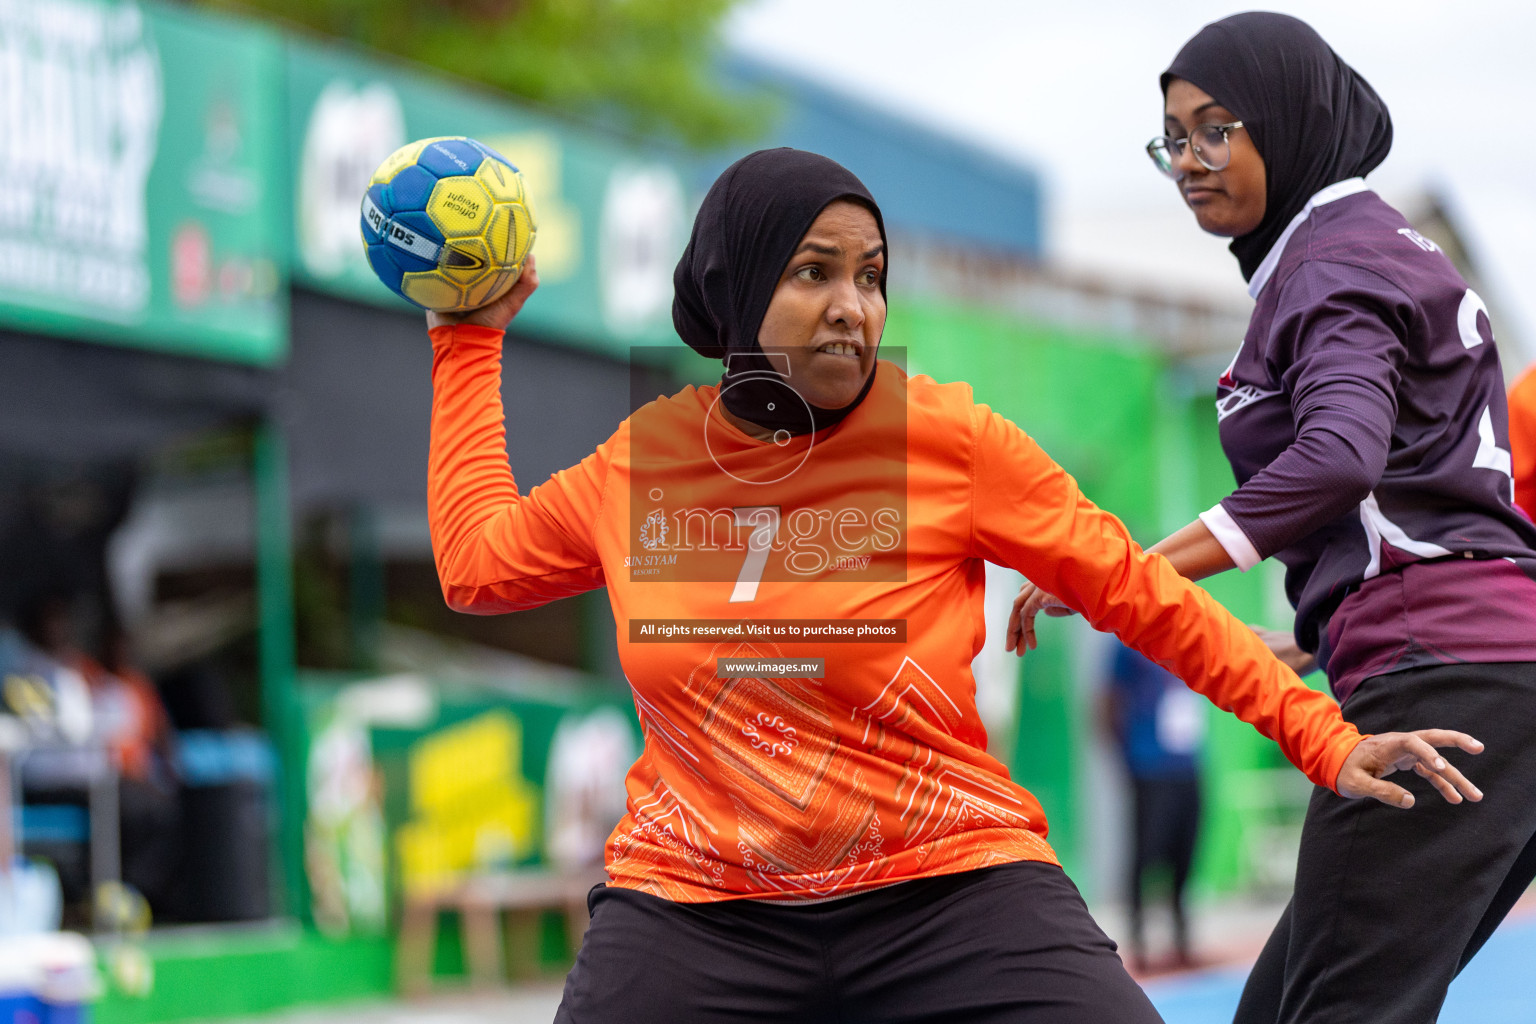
{"x": 801, "y": 788}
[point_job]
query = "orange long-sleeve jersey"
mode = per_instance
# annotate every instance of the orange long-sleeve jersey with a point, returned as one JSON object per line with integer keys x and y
{"x": 1522, "y": 439}
{"x": 713, "y": 545}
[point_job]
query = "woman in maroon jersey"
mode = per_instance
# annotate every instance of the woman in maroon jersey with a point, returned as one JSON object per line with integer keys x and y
{"x": 1365, "y": 420}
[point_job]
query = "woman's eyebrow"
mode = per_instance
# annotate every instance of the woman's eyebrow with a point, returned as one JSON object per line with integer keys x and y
{"x": 836, "y": 250}
{"x": 1196, "y": 113}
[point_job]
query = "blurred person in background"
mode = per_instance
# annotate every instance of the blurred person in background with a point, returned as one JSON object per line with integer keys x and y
{"x": 1157, "y": 725}
{"x": 131, "y": 720}
{"x": 1522, "y": 439}
{"x": 45, "y": 688}
{"x": 128, "y": 721}
{"x": 841, "y": 847}
{"x": 1364, "y": 417}
{"x": 42, "y": 684}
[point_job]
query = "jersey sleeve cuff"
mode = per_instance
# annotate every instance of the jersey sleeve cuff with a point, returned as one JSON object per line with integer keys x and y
{"x": 462, "y": 334}
{"x": 1231, "y": 537}
{"x": 1341, "y": 750}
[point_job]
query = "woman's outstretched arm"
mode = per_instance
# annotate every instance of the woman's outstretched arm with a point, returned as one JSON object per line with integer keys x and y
{"x": 496, "y": 549}
{"x": 1030, "y": 515}
{"x": 1193, "y": 551}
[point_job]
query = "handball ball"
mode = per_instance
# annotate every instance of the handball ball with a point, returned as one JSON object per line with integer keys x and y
{"x": 447, "y": 224}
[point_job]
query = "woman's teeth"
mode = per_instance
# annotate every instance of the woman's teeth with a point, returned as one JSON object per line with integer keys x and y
{"x": 840, "y": 349}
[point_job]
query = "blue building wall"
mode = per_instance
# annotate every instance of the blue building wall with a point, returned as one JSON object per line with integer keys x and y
{"x": 924, "y": 180}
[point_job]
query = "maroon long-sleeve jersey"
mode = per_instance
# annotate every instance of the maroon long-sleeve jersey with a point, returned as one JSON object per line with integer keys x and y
{"x": 1365, "y": 420}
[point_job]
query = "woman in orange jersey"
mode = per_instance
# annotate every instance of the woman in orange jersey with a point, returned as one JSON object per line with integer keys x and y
{"x": 1522, "y": 439}
{"x": 794, "y": 556}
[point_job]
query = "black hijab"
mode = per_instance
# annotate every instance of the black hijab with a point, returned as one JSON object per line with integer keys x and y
{"x": 748, "y": 227}
{"x": 1311, "y": 116}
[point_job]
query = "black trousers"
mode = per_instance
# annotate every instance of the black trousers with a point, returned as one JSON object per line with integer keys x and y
{"x": 1012, "y": 943}
{"x": 1389, "y": 904}
{"x": 1167, "y": 816}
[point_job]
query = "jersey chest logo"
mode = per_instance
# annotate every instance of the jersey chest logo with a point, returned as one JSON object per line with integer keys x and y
{"x": 1241, "y": 395}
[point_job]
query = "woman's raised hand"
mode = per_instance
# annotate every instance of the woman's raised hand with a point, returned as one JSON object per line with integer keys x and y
{"x": 1365, "y": 770}
{"x": 497, "y": 313}
{"x": 1021, "y": 622}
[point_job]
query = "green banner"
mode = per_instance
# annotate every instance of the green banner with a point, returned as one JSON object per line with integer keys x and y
{"x": 142, "y": 194}
{"x": 612, "y": 218}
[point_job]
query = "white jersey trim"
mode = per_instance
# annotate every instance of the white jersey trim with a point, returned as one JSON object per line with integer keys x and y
{"x": 1378, "y": 528}
{"x": 1490, "y": 455}
{"x": 1338, "y": 190}
{"x": 1231, "y": 537}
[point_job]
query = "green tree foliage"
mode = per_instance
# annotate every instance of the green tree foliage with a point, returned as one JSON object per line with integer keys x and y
{"x": 645, "y": 63}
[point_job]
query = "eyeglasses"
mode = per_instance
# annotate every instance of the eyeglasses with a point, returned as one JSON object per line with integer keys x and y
{"x": 1209, "y": 142}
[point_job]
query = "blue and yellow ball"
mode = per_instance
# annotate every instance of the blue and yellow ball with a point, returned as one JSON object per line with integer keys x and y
{"x": 447, "y": 223}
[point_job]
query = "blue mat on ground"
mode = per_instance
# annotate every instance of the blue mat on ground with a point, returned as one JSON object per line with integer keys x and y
{"x": 1496, "y": 988}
